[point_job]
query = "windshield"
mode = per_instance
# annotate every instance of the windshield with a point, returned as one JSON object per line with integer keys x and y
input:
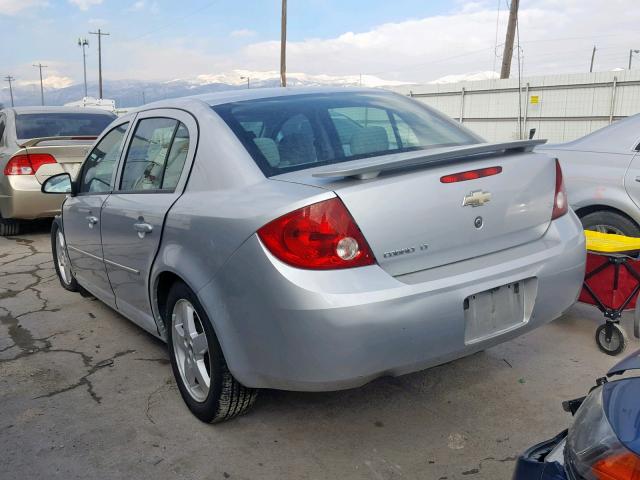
{"x": 289, "y": 133}
{"x": 37, "y": 125}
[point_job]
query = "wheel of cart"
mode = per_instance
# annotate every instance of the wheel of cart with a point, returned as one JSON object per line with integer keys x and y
{"x": 612, "y": 283}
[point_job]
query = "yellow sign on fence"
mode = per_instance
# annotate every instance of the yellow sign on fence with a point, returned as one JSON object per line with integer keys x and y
{"x": 535, "y": 99}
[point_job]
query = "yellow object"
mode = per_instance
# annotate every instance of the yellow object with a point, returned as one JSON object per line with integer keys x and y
{"x": 535, "y": 99}
{"x": 610, "y": 243}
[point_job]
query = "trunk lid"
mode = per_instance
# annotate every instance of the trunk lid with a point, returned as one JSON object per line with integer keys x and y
{"x": 69, "y": 153}
{"x": 413, "y": 221}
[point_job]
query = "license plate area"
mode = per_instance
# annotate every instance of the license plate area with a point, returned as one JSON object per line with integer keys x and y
{"x": 494, "y": 312}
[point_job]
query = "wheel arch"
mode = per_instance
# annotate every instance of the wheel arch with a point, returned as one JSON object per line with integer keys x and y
{"x": 581, "y": 212}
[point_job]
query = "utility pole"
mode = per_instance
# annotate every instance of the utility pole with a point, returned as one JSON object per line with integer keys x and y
{"x": 83, "y": 42}
{"x": 283, "y": 45}
{"x": 40, "y": 67}
{"x": 508, "y": 43}
{"x": 593, "y": 56}
{"x": 10, "y": 79}
{"x": 631, "y": 52}
{"x": 100, "y": 34}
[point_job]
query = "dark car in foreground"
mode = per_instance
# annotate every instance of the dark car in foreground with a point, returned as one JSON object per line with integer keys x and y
{"x": 604, "y": 441}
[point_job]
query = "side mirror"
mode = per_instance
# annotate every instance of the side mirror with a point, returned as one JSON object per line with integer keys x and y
{"x": 60, "y": 183}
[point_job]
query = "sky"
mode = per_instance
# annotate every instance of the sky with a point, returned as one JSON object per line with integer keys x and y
{"x": 407, "y": 40}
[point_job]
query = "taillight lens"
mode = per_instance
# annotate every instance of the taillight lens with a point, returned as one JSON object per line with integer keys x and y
{"x": 321, "y": 236}
{"x": 27, "y": 164}
{"x": 560, "y": 202}
{"x": 593, "y": 450}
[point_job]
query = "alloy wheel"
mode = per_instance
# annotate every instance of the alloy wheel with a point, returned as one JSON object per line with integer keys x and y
{"x": 191, "y": 350}
{"x": 64, "y": 265}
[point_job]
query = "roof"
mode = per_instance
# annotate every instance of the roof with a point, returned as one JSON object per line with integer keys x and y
{"x": 47, "y": 109}
{"x": 220, "y": 98}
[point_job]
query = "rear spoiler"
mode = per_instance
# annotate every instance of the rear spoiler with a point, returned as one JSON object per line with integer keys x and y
{"x": 372, "y": 167}
{"x": 32, "y": 142}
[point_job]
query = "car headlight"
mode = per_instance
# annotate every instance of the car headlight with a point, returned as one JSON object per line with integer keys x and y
{"x": 593, "y": 450}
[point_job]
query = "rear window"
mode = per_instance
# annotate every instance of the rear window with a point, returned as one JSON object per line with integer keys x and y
{"x": 289, "y": 133}
{"x": 36, "y": 125}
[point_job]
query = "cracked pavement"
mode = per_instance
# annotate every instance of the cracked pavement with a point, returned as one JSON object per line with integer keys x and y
{"x": 86, "y": 394}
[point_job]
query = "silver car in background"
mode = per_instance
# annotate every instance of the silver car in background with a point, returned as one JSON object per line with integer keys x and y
{"x": 602, "y": 175}
{"x": 314, "y": 239}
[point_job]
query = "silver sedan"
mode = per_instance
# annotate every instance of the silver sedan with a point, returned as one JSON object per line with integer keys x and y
{"x": 602, "y": 173}
{"x": 314, "y": 239}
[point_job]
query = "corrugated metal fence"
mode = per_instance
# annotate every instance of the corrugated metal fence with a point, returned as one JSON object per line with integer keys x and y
{"x": 559, "y": 107}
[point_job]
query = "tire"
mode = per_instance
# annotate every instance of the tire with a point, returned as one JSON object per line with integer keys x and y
{"x": 224, "y": 398}
{"x": 9, "y": 227}
{"x": 610, "y": 222}
{"x": 618, "y": 343}
{"x": 61, "y": 260}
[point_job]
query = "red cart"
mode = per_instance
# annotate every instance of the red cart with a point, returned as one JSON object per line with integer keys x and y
{"x": 612, "y": 283}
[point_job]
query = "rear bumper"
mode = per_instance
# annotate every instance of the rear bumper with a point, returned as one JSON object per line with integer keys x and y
{"x": 287, "y": 328}
{"x": 21, "y": 198}
{"x": 531, "y": 465}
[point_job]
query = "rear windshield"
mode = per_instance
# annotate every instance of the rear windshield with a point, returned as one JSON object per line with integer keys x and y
{"x": 36, "y": 125}
{"x": 289, "y": 133}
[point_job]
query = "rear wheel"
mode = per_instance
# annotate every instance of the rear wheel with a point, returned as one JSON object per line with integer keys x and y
{"x": 610, "y": 222}
{"x": 61, "y": 258}
{"x": 204, "y": 380}
{"x": 616, "y": 342}
{"x": 9, "y": 227}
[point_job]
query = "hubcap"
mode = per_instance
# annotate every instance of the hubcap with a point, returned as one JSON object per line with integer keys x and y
{"x": 191, "y": 350}
{"x": 63, "y": 260}
{"x": 606, "y": 229}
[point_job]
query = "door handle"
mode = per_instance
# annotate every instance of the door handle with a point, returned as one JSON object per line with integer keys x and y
{"x": 92, "y": 220}
{"x": 142, "y": 228}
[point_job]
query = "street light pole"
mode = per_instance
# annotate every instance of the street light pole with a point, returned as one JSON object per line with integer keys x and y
{"x": 100, "y": 34}
{"x": 10, "y": 79}
{"x": 83, "y": 42}
{"x": 283, "y": 45}
{"x": 40, "y": 67}
{"x": 248, "y": 79}
{"x": 631, "y": 52}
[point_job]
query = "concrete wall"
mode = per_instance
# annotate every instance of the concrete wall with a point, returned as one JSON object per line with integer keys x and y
{"x": 559, "y": 107}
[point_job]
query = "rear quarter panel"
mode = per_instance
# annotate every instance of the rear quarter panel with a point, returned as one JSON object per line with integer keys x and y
{"x": 596, "y": 179}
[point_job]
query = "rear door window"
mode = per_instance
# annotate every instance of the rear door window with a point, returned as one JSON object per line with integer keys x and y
{"x": 156, "y": 156}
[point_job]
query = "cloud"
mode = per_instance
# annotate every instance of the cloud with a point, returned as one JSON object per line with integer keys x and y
{"x": 13, "y": 7}
{"x": 556, "y": 37}
{"x": 137, "y": 6}
{"x": 242, "y": 33}
{"x": 85, "y": 4}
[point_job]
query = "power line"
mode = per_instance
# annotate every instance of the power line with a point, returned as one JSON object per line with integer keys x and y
{"x": 40, "y": 67}
{"x": 173, "y": 22}
{"x": 10, "y": 79}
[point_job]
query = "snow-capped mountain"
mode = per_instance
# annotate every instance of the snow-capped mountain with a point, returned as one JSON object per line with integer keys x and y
{"x": 131, "y": 93}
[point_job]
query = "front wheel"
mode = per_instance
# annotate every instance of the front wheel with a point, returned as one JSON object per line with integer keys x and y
{"x": 613, "y": 342}
{"x": 61, "y": 258}
{"x": 204, "y": 380}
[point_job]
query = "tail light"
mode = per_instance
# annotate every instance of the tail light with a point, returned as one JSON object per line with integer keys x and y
{"x": 593, "y": 450}
{"x": 27, "y": 164}
{"x": 321, "y": 236}
{"x": 560, "y": 202}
